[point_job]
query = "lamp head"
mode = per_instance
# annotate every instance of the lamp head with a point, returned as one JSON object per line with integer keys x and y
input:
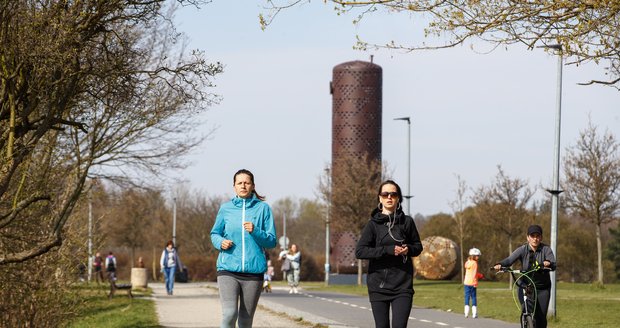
{"x": 403, "y": 119}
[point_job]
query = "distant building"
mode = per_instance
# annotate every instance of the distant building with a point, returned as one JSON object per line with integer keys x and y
{"x": 356, "y": 90}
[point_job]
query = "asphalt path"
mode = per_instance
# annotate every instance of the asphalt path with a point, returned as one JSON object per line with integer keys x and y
{"x": 340, "y": 310}
{"x": 197, "y": 305}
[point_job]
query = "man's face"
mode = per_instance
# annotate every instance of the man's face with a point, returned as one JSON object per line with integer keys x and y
{"x": 534, "y": 240}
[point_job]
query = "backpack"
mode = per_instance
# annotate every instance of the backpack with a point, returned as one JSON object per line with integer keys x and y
{"x": 111, "y": 265}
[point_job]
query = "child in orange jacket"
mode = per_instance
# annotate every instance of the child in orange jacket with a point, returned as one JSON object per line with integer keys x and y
{"x": 471, "y": 282}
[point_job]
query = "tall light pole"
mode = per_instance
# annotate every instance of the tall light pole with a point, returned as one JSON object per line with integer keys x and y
{"x": 408, "y": 195}
{"x": 90, "y": 235}
{"x": 329, "y": 207}
{"x": 555, "y": 192}
{"x": 174, "y": 221}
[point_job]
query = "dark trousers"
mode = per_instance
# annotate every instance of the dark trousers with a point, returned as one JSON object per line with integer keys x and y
{"x": 541, "y": 306}
{"x": 98, "y": 275}
{"x": 401, "y": 307}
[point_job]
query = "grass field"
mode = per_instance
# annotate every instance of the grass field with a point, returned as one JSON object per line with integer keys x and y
{"x": 577, "y": 305}
{"x": 119, "y": 312}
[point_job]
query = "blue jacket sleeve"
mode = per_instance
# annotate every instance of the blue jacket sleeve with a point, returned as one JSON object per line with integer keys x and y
{"x": 217, "y": 232}
{"x": 265, "y": 233}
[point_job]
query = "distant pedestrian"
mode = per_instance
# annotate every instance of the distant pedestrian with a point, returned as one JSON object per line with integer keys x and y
{"x": 471, "y": 282}
{"x": 110, "y": 266}
{"x": 82, "y": 272}
{"x": 243, "y": 229}
{"x": 285, "y": 264}
{"x": 168, "y": 263}
{"x": 268, "y": 277}
{"x": 292, "y": 275}
{"x": 98, "y": 267}
{"x": 388, "y": 241}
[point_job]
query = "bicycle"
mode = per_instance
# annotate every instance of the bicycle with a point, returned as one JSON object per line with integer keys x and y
{"x": 526, "y": 284}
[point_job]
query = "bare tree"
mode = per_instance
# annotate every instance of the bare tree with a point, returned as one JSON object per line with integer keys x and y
{"x": 586, "y": 30}
{"x": 503, "y": 205}
{"x": 88, "y": 88}
{"x": 592, "y": 181}
{"x": 195, "y": 218}
{"x": 135, "y": 212}
{"x": 458, "y": 207}
{"x": 352, "y": 193}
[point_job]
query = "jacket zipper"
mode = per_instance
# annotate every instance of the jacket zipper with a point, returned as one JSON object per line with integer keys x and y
{"x": 384, "y": 278}
{"x": 243, "y": 238}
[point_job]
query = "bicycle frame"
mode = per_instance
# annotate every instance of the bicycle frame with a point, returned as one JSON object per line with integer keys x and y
{"x": 526, "y": 286}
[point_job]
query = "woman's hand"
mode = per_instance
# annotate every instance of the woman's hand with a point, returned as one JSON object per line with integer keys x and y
{"x": 401, "y": 250}
{"x": 248, "y": 226}
{"x": 226, "y": 244}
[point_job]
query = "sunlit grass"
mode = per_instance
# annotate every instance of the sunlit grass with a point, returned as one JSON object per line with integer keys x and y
{"x": 578, "y": 305}
{"x": 120, "y": 311}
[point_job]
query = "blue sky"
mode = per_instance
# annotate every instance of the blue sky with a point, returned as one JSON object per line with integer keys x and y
{"x": 470, "y": 112}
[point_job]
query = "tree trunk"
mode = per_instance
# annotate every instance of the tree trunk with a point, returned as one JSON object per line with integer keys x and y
{"x": 462, "y": 261}
{"x": 599, "y": 253}
{"x": 359, "y": 272}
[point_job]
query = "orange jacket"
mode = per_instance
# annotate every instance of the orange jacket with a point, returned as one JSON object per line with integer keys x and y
{"x": 471, "y": 273}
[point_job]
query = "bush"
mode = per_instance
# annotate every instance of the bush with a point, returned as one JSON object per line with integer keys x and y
{"x": 36, "y": 293}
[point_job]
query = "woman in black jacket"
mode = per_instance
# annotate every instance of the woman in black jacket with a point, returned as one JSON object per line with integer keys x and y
{"x": 388, "y": 241}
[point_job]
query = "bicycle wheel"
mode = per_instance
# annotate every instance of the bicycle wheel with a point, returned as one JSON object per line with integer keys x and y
{"x": 527, "y": 321}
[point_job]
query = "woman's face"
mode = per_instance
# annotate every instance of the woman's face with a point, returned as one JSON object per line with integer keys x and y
{"x": 243, "y": 185}
{"x": 388, "y": 197}
{"x": 294, "y": 248}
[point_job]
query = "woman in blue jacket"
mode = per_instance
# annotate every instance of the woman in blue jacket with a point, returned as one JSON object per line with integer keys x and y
{"x": 243, "y": 229}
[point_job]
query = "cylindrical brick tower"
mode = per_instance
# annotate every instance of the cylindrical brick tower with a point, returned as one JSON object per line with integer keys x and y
{"x": 356, "y": 110}
{"x": 356, "y": 134}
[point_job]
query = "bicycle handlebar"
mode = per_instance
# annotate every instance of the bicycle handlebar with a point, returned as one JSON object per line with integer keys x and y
{"x": 511, "y": 270}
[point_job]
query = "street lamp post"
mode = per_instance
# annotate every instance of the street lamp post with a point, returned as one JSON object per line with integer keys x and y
{"x": 329, "y": 206}
{"x": 90, "y": 235}
{"x": 408, "y": 196}
{"x": 174, "y": 221}
{"x": 555, "y": 192}
{"x": 284, "y": 230}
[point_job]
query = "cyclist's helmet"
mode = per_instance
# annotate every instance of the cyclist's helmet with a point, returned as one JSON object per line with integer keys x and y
{"x": 475, "y": 252}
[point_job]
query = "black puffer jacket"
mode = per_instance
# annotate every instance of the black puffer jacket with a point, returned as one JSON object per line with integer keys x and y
{"x": 389, "y": 276}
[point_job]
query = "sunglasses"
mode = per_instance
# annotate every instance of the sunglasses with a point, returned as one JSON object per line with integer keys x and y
{"x": 385, "y": 194}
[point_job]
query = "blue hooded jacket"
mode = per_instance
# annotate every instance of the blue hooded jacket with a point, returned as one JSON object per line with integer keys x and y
{"x": 247, "y": 254}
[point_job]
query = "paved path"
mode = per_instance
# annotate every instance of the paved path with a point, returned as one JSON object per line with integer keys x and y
{"x": 342, "y": 310}
{"x": 198, "y": 305}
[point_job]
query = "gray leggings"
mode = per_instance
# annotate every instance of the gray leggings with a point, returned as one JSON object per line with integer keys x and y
{"x": 239, "y": 299}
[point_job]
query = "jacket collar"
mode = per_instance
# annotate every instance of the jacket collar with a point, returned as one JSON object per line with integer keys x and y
{"x": 381, "y": 218}
{"x": 249, "y": 202}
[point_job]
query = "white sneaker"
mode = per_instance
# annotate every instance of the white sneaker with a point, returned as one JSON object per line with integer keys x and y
{"x": 295, "y": 290}
{"x": 290, "y": 291}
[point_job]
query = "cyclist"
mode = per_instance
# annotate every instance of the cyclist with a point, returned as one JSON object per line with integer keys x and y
{"x": 534, "y": 256}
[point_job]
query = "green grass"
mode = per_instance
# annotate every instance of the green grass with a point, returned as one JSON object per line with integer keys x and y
{"x": 121, "y": 311}
{"x": 578, "y": 305}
